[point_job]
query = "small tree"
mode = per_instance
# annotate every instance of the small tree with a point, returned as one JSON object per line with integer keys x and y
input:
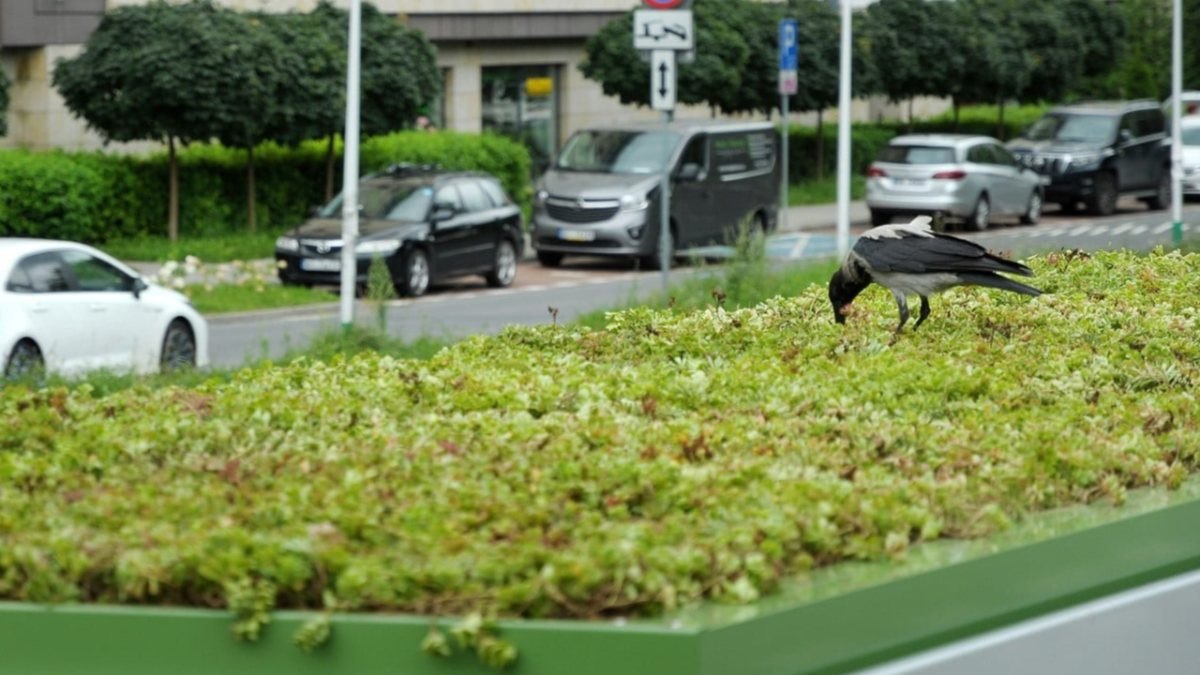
{"x": 714, "y": 78}
{"x": 4, "y": 84}
{"x": 257, "y": 69}
{"x": 399, "y": 75}
{"x": 149, "y": 73}
{"x": 997, "y": 69}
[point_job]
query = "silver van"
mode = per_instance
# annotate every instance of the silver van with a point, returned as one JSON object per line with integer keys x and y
{"x": 600, "y": 197}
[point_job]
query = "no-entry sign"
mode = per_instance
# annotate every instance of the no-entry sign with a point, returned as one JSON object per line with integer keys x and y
{"x": 664, "y": 4}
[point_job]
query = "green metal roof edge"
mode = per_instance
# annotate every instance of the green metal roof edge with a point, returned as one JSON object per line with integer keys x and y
{"x": 873, "y": 625}
{"x": 851, "y": 630}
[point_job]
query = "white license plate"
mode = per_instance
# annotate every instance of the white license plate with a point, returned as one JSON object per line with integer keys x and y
{"x": 910, "y": 181}
{"x": 576, "y": 235}
{"x": 321, "y": 265}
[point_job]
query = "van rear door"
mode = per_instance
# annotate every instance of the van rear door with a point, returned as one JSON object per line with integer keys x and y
{"x": 744, "y": 171}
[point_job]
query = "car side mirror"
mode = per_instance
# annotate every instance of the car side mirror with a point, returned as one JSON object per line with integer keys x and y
{"x": 1124, "y": 136}
{"x": 691, "y": 172}
{"x": 442, "y": 212}
{"x": 137, "y": 285}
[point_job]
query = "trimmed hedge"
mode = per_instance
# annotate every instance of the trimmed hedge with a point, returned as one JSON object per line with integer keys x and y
{"x": 94, "y": 197}
{"x": 867, "y": 139}
{"x": 865, "y": 142}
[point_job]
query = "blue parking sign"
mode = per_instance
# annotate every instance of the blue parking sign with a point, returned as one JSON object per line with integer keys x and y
{"x": 788, "y": 44}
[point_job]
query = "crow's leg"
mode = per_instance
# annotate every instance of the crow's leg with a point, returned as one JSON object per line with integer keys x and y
{"x": 902, "y": 305}
{"x": 923, "y": 314}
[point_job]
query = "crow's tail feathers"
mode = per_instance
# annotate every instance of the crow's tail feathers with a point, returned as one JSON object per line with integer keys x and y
{"x": 993, "y": 280}
{"x": 1010, "y": 266}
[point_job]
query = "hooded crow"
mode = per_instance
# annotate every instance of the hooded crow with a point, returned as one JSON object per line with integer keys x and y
{"x": 912, "y": 259}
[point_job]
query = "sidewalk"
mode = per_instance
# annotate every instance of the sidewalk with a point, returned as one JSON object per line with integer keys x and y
{"x": 822, "y": 217}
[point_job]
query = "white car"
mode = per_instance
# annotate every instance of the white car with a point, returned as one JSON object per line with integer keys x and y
{"x": 972, "y": 178}
{"x": 1191, "y": 154}
{"x": 69, "y": 308}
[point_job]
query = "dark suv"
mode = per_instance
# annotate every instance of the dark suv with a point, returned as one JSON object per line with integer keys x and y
{"x": 1095, "y": 152}
{"x": 425, "y": 223}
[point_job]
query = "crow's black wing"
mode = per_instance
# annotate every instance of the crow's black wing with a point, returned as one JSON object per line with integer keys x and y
{"x": 911, "y": 253}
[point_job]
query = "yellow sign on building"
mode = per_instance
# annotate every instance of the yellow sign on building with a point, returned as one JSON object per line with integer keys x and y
{"x": 536, "y": 87}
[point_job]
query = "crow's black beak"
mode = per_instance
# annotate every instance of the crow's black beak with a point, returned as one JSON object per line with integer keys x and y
{"x": 839, "y": 315}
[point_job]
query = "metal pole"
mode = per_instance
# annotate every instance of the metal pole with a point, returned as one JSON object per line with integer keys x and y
{"x": 783, "y": 197}
{"x": 1176, "y": 131}
{"x": 664, "y": 214}
{"x": 843, "y": 149}
{"x": 350, "y": 170}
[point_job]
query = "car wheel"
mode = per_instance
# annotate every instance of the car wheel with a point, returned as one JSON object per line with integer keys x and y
{"x": 1104, "y": 195}
{"x": 505, "y": 268}
{"x": 981, "y": 215}
{"x": 880, "y": 218}
{"x": 549, "y": 258}
{"x": 178, "y": 347}
{"x": 1162, "y": 195}
{"x": 414, "y": 274}
{"x": 24, "y": 361}
{"x": 1033, "y": 211}
{"x": 760, "y": 224}
{"x": 653, "y": 261}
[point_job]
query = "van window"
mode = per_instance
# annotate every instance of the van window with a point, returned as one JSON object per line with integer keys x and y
{"x": 696, "y": 152}
{"x": 736, "y": 154}
{"x": 617, "y": 151}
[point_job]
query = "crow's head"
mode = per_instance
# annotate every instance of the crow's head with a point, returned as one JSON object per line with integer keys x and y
{"x": 844, "y": 287}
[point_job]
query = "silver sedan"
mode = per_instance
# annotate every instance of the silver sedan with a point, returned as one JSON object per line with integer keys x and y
{"x": 971, "y": 178}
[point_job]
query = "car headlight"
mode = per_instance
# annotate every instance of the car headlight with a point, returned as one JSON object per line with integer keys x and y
{"x": 539, "y": 198}
{"x": 634, "y": 202}
{"x": 287, "y": 244}
{"x": 1082, "y": 161}
{"x": 377, "y": 247}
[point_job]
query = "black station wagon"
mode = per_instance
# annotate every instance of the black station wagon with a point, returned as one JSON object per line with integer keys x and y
{"x": 426, "y": 224}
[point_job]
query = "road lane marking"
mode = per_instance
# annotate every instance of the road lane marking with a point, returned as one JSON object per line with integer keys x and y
{"x": 798, "y": 248}
{"x": 1122, "y": 228}
{"x": 1162, "y": 228}
{"x": 1139, "y": 229}
{"x": 1083, "y": 229}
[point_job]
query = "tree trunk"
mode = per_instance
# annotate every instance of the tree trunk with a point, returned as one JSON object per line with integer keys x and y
{"x": 910, "y": 114}
{"x": 250, "y": 200}
{"x": 820, "y": 143}
{"x": 329, "y": 169}
{"x": 172, "y": 191}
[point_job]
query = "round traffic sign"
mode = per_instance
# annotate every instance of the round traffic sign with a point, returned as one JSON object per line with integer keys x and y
{"x": 663, "y": 4}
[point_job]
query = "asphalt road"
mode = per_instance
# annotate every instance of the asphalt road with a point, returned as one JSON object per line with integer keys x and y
{"x": 584, "y": 285}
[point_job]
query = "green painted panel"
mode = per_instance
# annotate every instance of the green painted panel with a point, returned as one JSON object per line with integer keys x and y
{"x": 87, "y": 640}
{"x": 794, "y": 634}
{"x": 875, "y": 624}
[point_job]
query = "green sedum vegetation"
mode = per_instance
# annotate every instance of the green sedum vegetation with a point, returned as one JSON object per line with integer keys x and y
{"x": 556, "y": 471}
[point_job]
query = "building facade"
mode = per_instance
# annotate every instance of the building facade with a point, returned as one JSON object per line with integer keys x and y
{"x": 509, "y": 66}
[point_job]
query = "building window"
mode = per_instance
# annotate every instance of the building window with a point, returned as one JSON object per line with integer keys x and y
{"x": 522, "y": 102}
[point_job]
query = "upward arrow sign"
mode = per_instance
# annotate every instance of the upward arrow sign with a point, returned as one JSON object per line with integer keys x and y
{"x": 662, "y": 85}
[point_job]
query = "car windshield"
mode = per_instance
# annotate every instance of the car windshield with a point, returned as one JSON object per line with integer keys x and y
{"x": 916, "y": 154}
{"x": 618, "y": 151}
{"x": 1191, "y": 136}
{"x": 387, "y": 201}
{"x": 1073, "y": 128}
